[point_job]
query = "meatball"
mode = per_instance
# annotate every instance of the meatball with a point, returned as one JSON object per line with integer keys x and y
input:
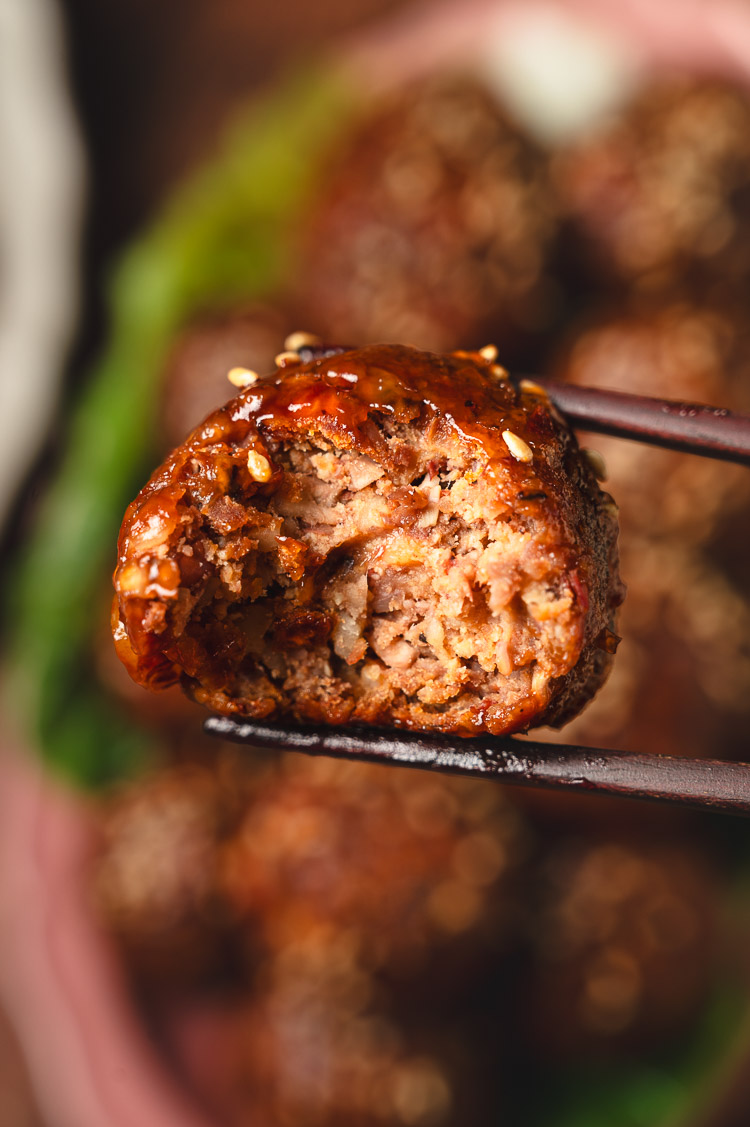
{"x": 157, "y": 880}
{"x": 680, "y": 349}
{"x": 684, "y": 522}
{"x": 436, "y": 226}
{"x": 380, "y": 535}
{"x": 626, "y": 940}
{"x": 661, "y": 195}
{"x": 318, "y": 926}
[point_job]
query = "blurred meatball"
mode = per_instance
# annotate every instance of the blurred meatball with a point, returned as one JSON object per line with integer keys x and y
{"x": 374, "y": 902}
{"x": 364, "y": 905}
{"x": 398, "y": 862}
{"x": 435, "y": 228}
{"x": 626, "y": 944}
{"x": 675, "y": 350}
{"x": 157, "y": 880}
{"x": 682, "y": 680}
{"x": 661, "y": 195}
{"x": 309, "y": 1054}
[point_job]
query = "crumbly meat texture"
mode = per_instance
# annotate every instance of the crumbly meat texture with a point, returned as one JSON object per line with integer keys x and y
{"x": 396, "y": 563}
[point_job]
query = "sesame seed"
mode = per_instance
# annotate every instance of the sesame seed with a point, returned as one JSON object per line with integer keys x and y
{"x": 499, "y": 372}
{"x": 242, "y": 377}
{"x": 259, "y": 466}
{"x": 295, "y": 341}
{"x": 131, "y": 580}
{"x": 597, "y": 463}
{"x": 532, "y": 388}
{"x": 285, "y": 358}
{"x": 520, "y": 450}
{"x": 488, "y": 353}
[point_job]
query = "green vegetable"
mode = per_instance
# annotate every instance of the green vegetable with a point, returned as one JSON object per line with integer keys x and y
{"x": 670, "y": 1092}
{"x": 225, "y": 237}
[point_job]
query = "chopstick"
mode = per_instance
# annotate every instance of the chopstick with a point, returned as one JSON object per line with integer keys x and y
{"x": 693, "y": 428}
{"x": 698, "y": 783}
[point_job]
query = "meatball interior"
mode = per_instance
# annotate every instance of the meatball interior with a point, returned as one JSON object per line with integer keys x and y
{"x": 380, "y": 535}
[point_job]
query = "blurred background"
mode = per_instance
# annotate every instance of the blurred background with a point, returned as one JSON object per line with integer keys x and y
{"x": 198, "y": 935}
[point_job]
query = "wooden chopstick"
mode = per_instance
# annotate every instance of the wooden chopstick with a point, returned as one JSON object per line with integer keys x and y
{"x": 693, "y": 428}
{"x": 698, "y": 783}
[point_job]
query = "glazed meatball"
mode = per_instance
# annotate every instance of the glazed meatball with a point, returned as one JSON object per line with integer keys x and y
{"x": 660, "y": 197}
{"x": 380, "y": 535}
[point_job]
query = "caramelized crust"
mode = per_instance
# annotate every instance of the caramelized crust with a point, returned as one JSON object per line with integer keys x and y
{"x": 383, "y": 536}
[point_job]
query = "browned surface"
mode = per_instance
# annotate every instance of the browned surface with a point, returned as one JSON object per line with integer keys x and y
{"x": 684, "y": 523}
{"x": 436, "y": 227}
{"x": 661, "y": 196}
{"x": 363, "y": 903}
{"x": 398, "y": 564}
{"x": 625, "y": 936}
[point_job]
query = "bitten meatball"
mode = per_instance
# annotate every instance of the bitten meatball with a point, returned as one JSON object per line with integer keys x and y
{"x": 380, "y": 535}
